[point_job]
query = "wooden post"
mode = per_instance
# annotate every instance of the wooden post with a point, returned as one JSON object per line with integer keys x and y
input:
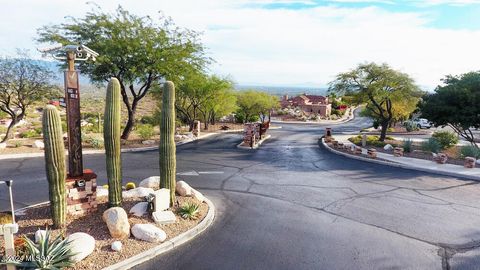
{"x": 72, "y": 100}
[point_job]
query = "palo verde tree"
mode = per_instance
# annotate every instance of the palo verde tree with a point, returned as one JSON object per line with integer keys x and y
{"x": 379, "y": 86}
{"x": 135, "y": 50}
{"x": 22, "y": 82}
{"x": 455, "y": 104}
{"x": 252, "y": 104}
{"x": 199, "y": 96}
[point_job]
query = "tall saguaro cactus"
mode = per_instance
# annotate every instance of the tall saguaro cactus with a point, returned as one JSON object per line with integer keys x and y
{"x": 168, "y": 161}
{"x": 111, "y": 135}
{"x": 55, "y": 164}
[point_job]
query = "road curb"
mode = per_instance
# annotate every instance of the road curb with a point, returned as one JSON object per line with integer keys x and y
{"x": 91, "y": 152}
{"x": 399, "y": 165}
{"x": 257, "y": 145}
{"x": 168, "y": 245}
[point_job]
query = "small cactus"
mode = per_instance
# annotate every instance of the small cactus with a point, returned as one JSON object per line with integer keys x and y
{"x": 55, "y": 164}
{"x": 130, "y": 185}
{"x": 111, "y": 135}
{"x": 168, "y": 164}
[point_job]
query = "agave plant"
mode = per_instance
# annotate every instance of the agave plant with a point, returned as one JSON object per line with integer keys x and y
{"x": 188, "y": 211}
{"x": 48, "y": 255}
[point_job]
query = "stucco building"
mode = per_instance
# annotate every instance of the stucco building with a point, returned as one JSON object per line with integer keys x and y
{"x": 310, "y": 104}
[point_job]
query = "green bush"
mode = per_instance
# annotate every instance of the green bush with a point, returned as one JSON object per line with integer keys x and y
{"x": 470, "y": 151}
{"x": 445, "y": 139}
{"x": 431, "y": 145}
{"x": 3, "y": 129}
{"x": 150, "y": 120}
{"x": 29, "y": 134}
{"x": 372, "y": 140}
{"x": 407, "y": 145}
{"x": 410, "y": 126}
{"x": 145, "y": 131}
{"x": 95, "y": 142}
{"x": 17, "y": 144}
{"x": 189, "y": 211}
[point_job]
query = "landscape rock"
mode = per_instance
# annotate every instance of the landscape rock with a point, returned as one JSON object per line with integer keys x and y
{"x": 117, "y": 246}
{"x": 164, "y": 217}
{"x": 3, "y": 145}
{"x": 162, "y": 200}
{"x": 139, "y": 209}
{"x": 150, "y": 182}
{"x": 149, "y": 233}
{"x": 178, "y": 137}
{"x": 117, "y": 222}
{"x": 198, "y": 195}
{"x": 38, "y": 144}
{"x": 138, "y": 192}
{"x": 183, "y": 189}
{"x": 102, "y": 192}
{"x": 148, "y": 142}
{"x": 39, "y": 234}
{"x": 388, "y": 147}
{"x": 82, "y": 244}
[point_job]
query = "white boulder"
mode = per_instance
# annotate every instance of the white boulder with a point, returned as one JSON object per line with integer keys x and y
{"x": 82, "y": 245}
{"x": 117, "y": 246}
{"x": 137, "y": 192}
{"x": 162, "y": 200}
{"x": 183, "y": 189}
{"x": 38, "y": 144}
{"x": 139, "y": 209}
{"x": 40, "y": 234}
{"x": 117, "y": 222}
{"x": 388, "y": 147}
{"x": 197, "y": 195}
{"x": 149, "y": 233}
{"x": 3, "y": 145}
{"x": 164, "y": 217}
{"x": 102, "y": 192}
{"x": 150, "y": 182}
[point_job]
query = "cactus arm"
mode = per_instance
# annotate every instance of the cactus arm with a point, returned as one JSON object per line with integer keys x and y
{"x": 111, "y": 135}
{"x": 167, "y": 146}
{"x": 55, "y": 164}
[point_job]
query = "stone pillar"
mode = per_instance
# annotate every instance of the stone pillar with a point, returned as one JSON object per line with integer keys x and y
{"x": 328, "y": 132}
{"x": 196, "y": 128}
{"x": 372, "y": 153}
{"x": 364, "y": 139}
{"x": 469, "y": 162}
{"x": 358, "y": 150}
{"x": 81, "y": 193}
{"x": 249, "y": 134}
{"x": 441, "y": 158}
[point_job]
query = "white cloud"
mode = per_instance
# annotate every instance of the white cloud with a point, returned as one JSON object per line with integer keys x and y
{"x": 283, "y": 46}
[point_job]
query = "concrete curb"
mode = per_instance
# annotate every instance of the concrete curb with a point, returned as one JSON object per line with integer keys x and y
{"x": 257, "y": 145}
{"x": 168, "y": 245}
{"x": 399, "y": 165}
{"x": 90, "y": 152}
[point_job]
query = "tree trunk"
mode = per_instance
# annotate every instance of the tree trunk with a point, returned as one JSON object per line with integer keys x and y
{"x": 130, "y": 122}
{"x": 383, "y": 133}
{"x": 15, "y": 120}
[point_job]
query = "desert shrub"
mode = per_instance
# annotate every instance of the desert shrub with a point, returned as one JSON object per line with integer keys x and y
{"x": 407, "y": 145}
{"x": 189, "y": 211}
{"x": 410, "y": 126}
{"x": 150, "y": 120}
{"x": 445, "y": 139}
{"x": 431, "y": 145}
{"x": 130, "y": 185}
{"x": 145, "y": 131}
{"x": 95, "y": 142}
{"x": 470, "y": 151}
{"x": 17, "y": 144}
{"x": 390, "y": 129}
{"x": 29, "y": 134}
{"x": 371, "y": 140}
{"x": 3, "y": 129}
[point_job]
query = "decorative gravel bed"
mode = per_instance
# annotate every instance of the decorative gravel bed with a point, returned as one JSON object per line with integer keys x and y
{"x": 93, "y": 224}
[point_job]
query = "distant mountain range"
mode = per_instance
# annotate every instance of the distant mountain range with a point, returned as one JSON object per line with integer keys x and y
{"x": 274, "y": 90}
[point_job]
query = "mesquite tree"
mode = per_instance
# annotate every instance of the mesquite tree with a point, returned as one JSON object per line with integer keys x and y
{"x": 379, "y": 86}
{"x": 135, "y": 50}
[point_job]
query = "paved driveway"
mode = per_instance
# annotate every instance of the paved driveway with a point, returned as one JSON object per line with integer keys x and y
{"x": 293, "y": 205}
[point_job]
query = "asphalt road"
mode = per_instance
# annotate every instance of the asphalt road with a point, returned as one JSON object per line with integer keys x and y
{"x": 293, "y": 205}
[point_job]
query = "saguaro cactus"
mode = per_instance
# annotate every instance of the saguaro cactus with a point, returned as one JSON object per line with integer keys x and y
{"x": 55, "y": 164}
{"x": 111, "y": 135}
{"x": 168, "y": 161}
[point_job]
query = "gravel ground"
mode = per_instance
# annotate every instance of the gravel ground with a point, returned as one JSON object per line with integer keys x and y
{"x": 38, "y": 218}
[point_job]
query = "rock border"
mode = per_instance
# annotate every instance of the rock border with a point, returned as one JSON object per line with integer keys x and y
{"x": 169, "y": 244}
{"x": 268, "y": 136}
{"x": 399, "y": 165}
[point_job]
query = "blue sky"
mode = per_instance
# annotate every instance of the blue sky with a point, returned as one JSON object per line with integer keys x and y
{"x": 293, "y": 42}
